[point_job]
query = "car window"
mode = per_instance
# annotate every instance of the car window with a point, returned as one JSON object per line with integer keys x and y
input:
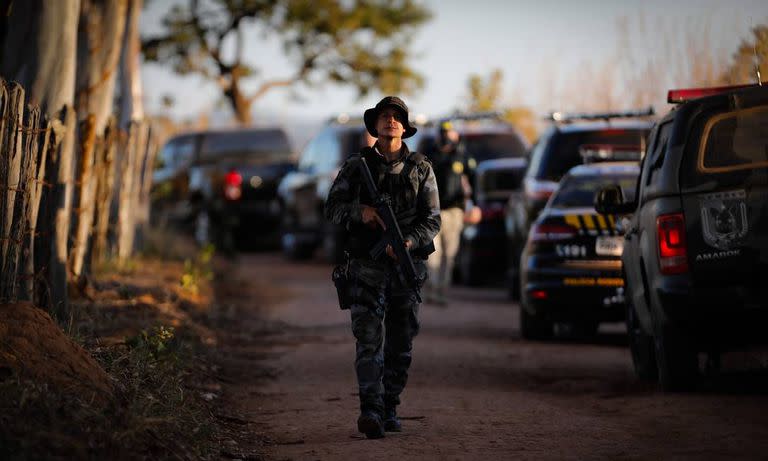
{"x": 502, "y": 180}
{"x": 308, "y": 156}
{"x": 178, "y": 152}
{"x": 734, "y": 141}
{"x": 658, "y": 151}
{"x": 579, "y": 191}
{"x": 328, "y": 151}
{"x": 553, "y": 158}
{"x": 245, "y": 143}
{"x": 486, "y": 146}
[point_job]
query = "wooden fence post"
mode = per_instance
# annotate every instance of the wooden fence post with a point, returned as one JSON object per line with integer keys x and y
{"x": 61, "y": 202}
{"x": 105, "y": 190}
{"x": 86, "y": 190}
{"x": 11, "y": 229}
{"x": 32, "y": 268}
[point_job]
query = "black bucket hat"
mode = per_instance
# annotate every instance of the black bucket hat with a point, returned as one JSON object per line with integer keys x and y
{"x": 371, "y": 115}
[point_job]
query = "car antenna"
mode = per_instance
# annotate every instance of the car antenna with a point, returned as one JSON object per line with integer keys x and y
{"x": 757, "y": 59}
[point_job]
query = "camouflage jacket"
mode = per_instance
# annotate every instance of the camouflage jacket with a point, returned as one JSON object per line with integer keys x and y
{"x": 415, "y": 198}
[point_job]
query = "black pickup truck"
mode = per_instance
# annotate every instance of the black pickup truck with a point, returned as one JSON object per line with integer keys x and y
{"x": 696, "y": 247}
{"x": 226, "y": 183}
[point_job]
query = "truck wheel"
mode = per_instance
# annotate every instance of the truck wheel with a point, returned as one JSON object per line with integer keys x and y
{"x": 641, "y": 346}
{"x": 677, "y": 362}
{"x": 293, "y": 250}
{"x": 533, "y": 327}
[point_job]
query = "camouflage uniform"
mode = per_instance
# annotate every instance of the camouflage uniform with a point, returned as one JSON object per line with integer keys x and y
{"x": 383, "y": 311}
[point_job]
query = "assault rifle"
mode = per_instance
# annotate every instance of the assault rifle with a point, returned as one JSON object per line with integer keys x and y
{"x": 406, "y": 271}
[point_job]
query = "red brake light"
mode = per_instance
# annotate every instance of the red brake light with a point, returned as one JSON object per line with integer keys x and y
{"x": 539, "y": 294}
{"x": 233, "y": 178}
{"x": 232, "y": 182}
{"x": 687, "y": 94}
{"x": 545, "y": 232}
{"x": 673, "y": 255}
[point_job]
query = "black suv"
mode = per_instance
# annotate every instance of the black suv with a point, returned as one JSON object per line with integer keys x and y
{"x": 696, "y": 248}
{"x": 559, "y": 149}
{"x": 303, "y": 192}
{"x": 224, "y": 183}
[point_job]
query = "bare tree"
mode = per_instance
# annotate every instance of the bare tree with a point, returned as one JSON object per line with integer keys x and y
{"x": 100, "y": 37}
{"x": 38, "y": 51}
{"x": 133, "y": 155}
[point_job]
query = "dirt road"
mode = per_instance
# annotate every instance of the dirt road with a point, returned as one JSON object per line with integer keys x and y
{"x": 476, "y": 390}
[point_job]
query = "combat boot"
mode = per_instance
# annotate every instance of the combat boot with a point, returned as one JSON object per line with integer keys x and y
{"x": 391, "y": 421}
{"x": 369, "y": 423}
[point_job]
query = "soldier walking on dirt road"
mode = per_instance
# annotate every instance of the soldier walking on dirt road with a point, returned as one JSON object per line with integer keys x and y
{"x": 384, "y": 311}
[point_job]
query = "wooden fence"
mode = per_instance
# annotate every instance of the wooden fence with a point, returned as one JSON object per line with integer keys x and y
{"x": 110, "y": 194}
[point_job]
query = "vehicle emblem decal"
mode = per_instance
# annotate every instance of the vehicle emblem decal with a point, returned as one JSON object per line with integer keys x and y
{"x": 724, "y": 219}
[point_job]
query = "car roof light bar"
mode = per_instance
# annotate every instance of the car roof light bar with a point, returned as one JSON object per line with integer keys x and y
{"x": 470, "y": 116}
{"x": 560, "y": 117}
{"x": 682, "y": 95}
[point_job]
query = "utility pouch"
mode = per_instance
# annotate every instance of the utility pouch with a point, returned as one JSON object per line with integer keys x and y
{"x": 341, "y": 279}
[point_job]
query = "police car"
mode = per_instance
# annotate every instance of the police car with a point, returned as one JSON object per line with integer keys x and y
{"x": 557, "y": 151}
{"x": 696, "y": 247}
{"x": 571, "y": 269}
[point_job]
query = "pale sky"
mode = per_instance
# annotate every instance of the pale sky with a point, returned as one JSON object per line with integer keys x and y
{"x": 541, "y": 46}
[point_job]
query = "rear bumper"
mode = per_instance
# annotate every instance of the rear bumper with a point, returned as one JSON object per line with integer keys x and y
{"x": 724, "y": 316}
{"x": 486, "y": 249}
{"x": 571, "y": 295}
{"x": 259, "y": 214}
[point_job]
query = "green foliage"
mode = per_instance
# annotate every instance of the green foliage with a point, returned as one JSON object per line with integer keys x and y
{"x": 742, "y": 68}
{"x": 154, "y": 342}
{"x": 198, "y": 270}
{"x": 362, "y": 43}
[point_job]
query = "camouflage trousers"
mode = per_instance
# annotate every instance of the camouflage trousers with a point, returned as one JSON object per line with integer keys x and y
{"x": 384, "y": 322}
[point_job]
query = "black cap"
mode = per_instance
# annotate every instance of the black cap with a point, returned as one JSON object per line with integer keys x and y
{"x": 371, "y": 115}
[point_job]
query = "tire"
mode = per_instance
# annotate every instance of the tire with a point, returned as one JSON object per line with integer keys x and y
{"x": 586, "y": 329}
{"x": 513, "y": 284}
{"x": 513, "y": 276}
{"x": 641, "y": 346}
{"x": 533, "y": 327}
{"x": 294, "y": 251}
{"x": 676, "y": 360}
{"x": 470, "y": 275}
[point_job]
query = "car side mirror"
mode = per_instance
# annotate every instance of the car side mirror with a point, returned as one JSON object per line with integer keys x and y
{"x": 610, "y": 200}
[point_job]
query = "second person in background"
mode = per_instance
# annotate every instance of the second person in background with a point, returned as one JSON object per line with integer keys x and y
{"x": 449, "y": 164}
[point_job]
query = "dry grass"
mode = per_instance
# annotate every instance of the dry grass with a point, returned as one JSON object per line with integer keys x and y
{"x": 151, "y": 336}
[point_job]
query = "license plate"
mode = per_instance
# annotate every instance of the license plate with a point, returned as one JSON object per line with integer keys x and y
{"x": 609, "y": 246}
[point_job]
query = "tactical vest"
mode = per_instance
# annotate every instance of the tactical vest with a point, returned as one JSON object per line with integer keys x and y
{"x": 402, "y": 188}
{"x": 449, "y": 169}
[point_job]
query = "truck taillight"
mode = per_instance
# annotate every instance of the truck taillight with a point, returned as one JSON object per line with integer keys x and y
{"x": 233, "y": 182}
{"x": 551, "y": 232}
{"x": 673, "y": 255}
